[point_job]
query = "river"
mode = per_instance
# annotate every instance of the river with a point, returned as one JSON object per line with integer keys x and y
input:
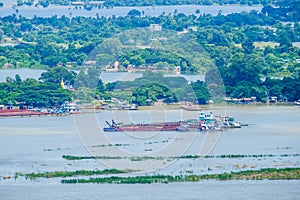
{"x": 30, "y": 12}
{"x": 105, "y": 76}
{"x": 36, "y": 144}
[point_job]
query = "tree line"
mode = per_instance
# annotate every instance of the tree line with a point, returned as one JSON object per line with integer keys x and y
{"x": 31, "y": 92}
{"x": 68, "y": 42}
{"x": 48, "y": 91}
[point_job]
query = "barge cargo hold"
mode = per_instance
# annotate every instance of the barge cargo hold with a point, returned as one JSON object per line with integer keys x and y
{"x": 19, "y": 113}
{"x": 168, "y": 126}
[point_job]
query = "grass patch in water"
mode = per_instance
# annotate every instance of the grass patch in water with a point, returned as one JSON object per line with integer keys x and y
{"x": 268, "y": 174}
{"x": 74, "y": 173}
{"x": 137, "y": 158}
{"x": 69, "y": 157}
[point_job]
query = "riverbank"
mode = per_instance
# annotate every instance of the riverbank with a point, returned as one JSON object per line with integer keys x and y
{"x": 208, "y": 106}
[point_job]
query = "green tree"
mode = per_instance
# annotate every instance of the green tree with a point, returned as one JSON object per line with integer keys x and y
{"x": 152, "y": 92}
{"x": 18, "y": 79}
{"x": 104, "y": 59}
{"x": 57, "y": 75}
{"x": 200, "y": 90}
{"x": 243, "y": 68}
{"x": 248, "y": 46}
{"x": 84, "y": 94}
{"x": 100, "y": 86}
{"x": 88, "y": 77}
{"x": 134, "y": 13}
{"x": 3, "y": 60}
{"x": 291, "y": 89}
{"x": 25, "y": 26}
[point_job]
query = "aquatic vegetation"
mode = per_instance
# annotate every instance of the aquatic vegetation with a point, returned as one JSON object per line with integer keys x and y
{"x": 69, "y": 157}
{"x": 141, "y": 158}
{"x": 74, "y": 173}
{"x": 125, "y": 180}
{"x": 268, "y": 173}
{"x": 251, "y": 156}
{"x": 136, "y": 158}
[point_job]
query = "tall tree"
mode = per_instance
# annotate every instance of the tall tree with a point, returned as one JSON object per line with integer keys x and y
{"x": 57, "y": 75}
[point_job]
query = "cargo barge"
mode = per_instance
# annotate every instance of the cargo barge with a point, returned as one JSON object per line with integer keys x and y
{"x": 19, "y": 113}
{"x": 168, "y": 126}
{"x": 205, "y": 122}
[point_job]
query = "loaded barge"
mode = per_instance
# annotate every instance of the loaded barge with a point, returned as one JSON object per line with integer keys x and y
{"x": 205, "y": 122}
{"x": 19, "y": 113}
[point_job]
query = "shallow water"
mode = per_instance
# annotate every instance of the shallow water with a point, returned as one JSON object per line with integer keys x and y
{"x": 105, "y": 76}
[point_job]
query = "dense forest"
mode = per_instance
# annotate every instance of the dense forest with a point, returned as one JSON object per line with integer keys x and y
{"x": 31, "y": 92}
{"x": 255, "y": 53}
